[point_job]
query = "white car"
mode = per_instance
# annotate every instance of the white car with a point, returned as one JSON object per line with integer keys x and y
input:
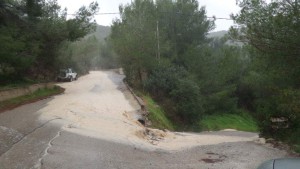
{"x": 66, "y": 75}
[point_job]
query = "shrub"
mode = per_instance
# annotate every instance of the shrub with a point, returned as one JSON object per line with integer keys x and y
{"x": 175, "y": 83}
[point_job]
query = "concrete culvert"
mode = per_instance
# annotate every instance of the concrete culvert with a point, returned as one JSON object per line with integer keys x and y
{"x": 142, "y": 121}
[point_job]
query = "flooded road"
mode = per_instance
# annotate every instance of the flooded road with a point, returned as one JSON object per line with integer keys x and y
{"x": 93, "y": 125}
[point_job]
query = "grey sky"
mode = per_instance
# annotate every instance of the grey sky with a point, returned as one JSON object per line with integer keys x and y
{"x": 218, "y": 8}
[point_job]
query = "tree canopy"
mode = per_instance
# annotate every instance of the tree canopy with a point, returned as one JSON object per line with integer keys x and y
{"x": 272, "y": 31}
{"x": 164, "y": 50}
{"x": 31, "y": 32}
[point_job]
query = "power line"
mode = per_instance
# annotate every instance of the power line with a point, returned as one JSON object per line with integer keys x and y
{"x": 117, "y": 13}
{"x": 108, "y": 13}
{"x": 212, "y": 17}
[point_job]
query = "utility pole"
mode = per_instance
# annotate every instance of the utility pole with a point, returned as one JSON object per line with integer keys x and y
{"x": 158, "y": 48}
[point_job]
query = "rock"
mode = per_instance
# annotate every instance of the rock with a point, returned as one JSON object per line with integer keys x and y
{"x": 260, "y": 140}
{"x": 154, "y": 136}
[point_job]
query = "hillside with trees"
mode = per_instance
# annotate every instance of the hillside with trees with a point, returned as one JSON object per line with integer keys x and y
{"x": 217, "y": 34}
{"x": 166, "y": 52}
{"x": 89, "y": 53}
{"x": 271, "y": 88}
{"x": 102, "y": 32}
{"x": 31, "y": 34}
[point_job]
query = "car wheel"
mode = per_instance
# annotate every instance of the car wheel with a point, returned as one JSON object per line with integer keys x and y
{"x": 71, "y": 79}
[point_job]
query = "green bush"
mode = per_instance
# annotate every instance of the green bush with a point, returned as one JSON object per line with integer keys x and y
{"x": 280, "y": 103}
{"x": 186, "y": 95}
{"x": 175, "y": 84}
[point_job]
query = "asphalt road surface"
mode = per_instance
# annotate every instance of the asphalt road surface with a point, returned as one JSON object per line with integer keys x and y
{"x": 93, "y": 125}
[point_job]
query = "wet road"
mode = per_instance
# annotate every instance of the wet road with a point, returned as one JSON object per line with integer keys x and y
{"x": 90, "y": 126}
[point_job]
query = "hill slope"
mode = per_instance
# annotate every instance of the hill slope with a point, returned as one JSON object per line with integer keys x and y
{"x": 218, "y": 34}
{"x": 101, "y": 32}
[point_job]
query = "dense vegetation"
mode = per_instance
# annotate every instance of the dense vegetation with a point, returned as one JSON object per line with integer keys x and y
{"x": 271, "y": 87}
{"x": 165, "y": 51}
{"x": 189, "y": 74}
{"x": 31, "y": 34}
{"x": 90, "y": 52}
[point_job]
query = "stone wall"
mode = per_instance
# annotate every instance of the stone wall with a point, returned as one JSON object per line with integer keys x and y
{"x": 16, "y": 92}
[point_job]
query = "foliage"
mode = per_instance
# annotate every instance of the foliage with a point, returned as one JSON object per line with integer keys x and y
{"x": 86, "y": 54}
{"x": 12, "y": 59}
{"x": 175, "y": 84}
{"x": 31, "y": 33}
{"x": 176, "y": 26}
{"x": 133, "y": 38}
{"x": 183, "y": 24}
{"x": 272, "y": 31}
{"x": 145, "y": 25}
{"x": 168, "y": 54}
{"x": 79, "y": 54}
{"x": 270, "y": 27}
{"x": 218, "y": 69}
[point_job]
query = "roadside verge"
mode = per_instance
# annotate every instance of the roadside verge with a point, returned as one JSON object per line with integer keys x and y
{"x": 36, "y": 95}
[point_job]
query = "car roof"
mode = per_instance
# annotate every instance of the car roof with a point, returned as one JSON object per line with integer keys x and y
{"x": 282, "y": 163}
{"x": 287, "y": 163}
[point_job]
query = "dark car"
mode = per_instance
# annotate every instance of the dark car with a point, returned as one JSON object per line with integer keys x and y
{"x": 283, "y": 163}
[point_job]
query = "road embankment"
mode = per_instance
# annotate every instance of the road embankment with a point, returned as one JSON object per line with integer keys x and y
{"x": 13, "y": 98}
{"x": 21, "y": 91}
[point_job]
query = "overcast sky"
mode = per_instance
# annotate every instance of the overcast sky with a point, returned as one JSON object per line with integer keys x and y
{"x": 218, "y": 8}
